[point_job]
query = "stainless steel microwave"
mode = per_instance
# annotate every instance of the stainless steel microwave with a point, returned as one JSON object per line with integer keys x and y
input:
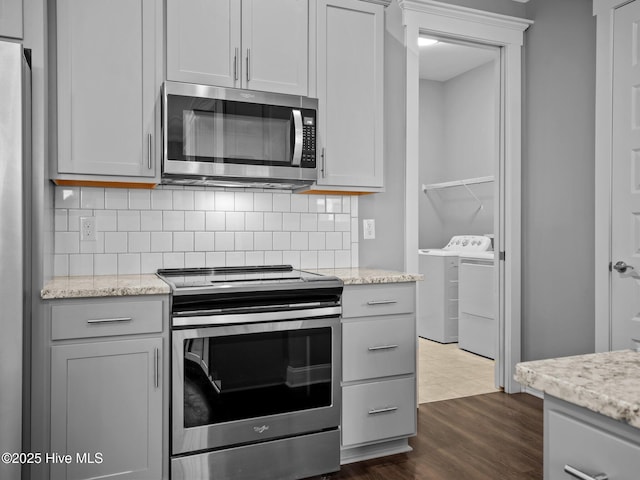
{"x": 233, "y": 137}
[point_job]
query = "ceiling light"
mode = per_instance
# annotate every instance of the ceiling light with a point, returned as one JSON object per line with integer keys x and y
{"x": 426, "y": 42}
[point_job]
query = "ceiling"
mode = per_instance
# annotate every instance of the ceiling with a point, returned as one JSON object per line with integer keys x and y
{"x": 444, "y": 61}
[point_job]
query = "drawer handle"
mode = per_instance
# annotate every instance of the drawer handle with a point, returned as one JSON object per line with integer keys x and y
{"x": 381, "y": 302}
{"x": 382, "y": 347}
{"x": 584, "y": 476}
{"x": 109, "y": 320}
{"x": 377, "y": 411}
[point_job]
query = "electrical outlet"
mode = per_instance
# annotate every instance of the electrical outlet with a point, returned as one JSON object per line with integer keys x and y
{"x": 369, "y": 229}
{"x": 88, "y": 229}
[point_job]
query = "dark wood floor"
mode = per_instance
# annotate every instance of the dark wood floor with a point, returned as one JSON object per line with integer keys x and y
{"x": 494, "y": 436}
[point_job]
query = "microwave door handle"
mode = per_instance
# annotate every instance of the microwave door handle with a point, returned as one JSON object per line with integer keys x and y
{"x": 297, "y": 141}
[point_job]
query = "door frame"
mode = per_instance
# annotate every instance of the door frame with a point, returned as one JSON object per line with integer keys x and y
{"x": 604, "y": 11}
{"x": 476, "y": 26}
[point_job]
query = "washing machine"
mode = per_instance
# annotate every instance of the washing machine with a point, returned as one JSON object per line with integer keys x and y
{"x": 477, "y": 323}
{"x": 437, "y": 307}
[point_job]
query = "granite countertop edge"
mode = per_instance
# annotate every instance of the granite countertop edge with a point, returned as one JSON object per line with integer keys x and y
{"x": 369, "y": 276}
{"x": 103, "y": 286}
{"x": 605, "y": 383}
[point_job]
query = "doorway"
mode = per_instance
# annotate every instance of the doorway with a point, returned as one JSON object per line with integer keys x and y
{"x": 459, "y": 101}
{"x": 504, "y": 33}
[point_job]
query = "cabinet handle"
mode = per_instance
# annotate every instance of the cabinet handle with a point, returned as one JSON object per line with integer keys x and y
{"x": 585, "y": 476}
{"x": 235, "y": 65}
{"x": 248, "y": 62}
{"x": 376, "y": 411}
{"x": 322, "y": 156}
{"x": 381, "y": 302}
{"x": 156, "y": 367}
{"x": 109, "y": 320}
{"x": 382, "y": 347}
{"x": 149, "y": 146}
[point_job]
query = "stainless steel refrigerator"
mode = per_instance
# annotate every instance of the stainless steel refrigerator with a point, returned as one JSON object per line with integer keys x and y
{"x": 15, "y": 248}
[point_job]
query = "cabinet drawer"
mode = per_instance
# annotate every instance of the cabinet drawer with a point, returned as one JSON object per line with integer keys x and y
{"x": 378, "y": 348}
{"x": 378, "y": 411}
{"x": 381, "y": 299}
{"x": 589, "y": 448}
{"x": 101, "y": 319}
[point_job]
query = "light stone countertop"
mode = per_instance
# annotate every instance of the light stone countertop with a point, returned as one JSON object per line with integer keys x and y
{"x": 103, "y": 286}
{"x": 606, "y": 383}
{"x": 366, "y": 276}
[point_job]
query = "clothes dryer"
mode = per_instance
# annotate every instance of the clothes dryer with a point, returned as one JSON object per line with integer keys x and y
{"x": 437, "y": 307}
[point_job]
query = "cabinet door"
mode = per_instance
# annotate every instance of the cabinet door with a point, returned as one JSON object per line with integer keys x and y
{"x": 203, "y": 42}
{"x": 275, "y": 45}
{"x": 106, "y": 398}
{"x": 350, "y": 91}
{"x": 11, "y": 18}
{"x": 109, "y": 75}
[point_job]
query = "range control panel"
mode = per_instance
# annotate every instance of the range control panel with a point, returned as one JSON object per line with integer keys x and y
{"x": 469, "y": 243}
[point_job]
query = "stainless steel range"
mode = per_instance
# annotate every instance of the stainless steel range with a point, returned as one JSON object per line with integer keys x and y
{"x": 255, "y": 372}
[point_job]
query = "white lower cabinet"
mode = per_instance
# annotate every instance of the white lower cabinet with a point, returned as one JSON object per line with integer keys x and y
{"x": 106, "y": 362}
{"x": 582, "y": 441}
{"x": 378, "y": 370}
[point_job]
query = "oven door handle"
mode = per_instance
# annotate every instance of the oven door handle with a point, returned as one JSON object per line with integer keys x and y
{"x": 223, "y": 319}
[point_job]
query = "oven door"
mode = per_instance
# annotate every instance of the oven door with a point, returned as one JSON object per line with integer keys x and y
{"x": 249, "y": 382}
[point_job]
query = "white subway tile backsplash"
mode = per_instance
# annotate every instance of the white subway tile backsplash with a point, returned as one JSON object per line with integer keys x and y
{"x": 281, "y": 202}
{"x": 225, "y": 241}
{"x": 91, "y": 198}
{"x": 139, "y": 242}
{"x": 254, "y": 221}
{"x": 67, "y": 197}
{"x": 299, "y": 203}
{"x": 273, "y": 221}
{"x": 106, "y": 220}
{"x": 234, "y": 221}
{"x": 139, "y": 199}
{"x": 194, "y": 221}
{"x": 105, "y": 264}
{"x": 299, "y": 241}
{"x": 161, "y": 199}
{"x": 291, "y": 222}
{"x": 204, "y": 241}
{"x": 183, "y": 242}
{"x": 225, "y": 201}
{"x": 204, "y": 200}
{"x": 172, "y": 221}
{"x": 151, "y": 221}
{"x": 161, "y": 242}
{"x": 81, "y": 264}
{"x": 128, "y": 264}
{"x": 262, "y": 202}
{"x": 67, "y": 242}
{"x": 215, "y": 221}
{"x": 128, "y": 220}
{"x": 139, "y": 231}
{"x": 115, "y": 242}
{"x": 183, "y": 200}
{"x": 115, "y": 198}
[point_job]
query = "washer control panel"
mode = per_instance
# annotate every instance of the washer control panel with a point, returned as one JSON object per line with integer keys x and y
{"x": 469, "y": 243}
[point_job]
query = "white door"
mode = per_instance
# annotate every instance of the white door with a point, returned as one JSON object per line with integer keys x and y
{"x": 625, "y": 206}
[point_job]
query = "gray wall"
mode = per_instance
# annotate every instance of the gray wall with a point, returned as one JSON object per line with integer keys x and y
{"x": 558, "y": 171}
{"x": 558, "y": 180}
{"x": 457, "y": 141}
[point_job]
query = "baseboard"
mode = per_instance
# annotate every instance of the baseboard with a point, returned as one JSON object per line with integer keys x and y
{"x": 367, "y": 452}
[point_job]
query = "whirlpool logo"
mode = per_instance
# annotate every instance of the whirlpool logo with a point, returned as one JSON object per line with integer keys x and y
{"x": 261, "y": 428}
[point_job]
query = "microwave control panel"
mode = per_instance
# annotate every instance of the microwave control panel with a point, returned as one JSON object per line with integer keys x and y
{"x": 308, "y": 141}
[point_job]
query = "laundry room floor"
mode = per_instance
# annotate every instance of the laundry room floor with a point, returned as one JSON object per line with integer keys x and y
{"x": 447, "y": 372}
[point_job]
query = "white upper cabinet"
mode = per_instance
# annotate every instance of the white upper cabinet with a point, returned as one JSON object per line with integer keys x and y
{"x": 350, "y": 92}
{"x": 254, "y": 44}
{"x": 109, "y": 75}
{"x": 11, "y": 18}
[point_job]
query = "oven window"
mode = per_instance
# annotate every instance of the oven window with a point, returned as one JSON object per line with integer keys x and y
{"x": 224, "y": 131}
{"x": 251, "y": 375}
